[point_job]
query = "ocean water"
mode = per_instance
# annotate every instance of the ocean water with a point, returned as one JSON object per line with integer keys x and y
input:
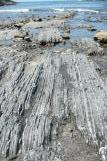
{"x": 96, "y": 9}
{"x": 47, "y": 7}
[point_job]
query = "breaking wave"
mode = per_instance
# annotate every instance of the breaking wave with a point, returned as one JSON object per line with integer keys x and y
{"x": 15, "y": 11}
{"x": 76, "y": 9}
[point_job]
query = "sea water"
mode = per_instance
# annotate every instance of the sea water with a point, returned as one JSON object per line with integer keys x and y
{"x": 48, "y": 6}
{"x": 96, "y": 9}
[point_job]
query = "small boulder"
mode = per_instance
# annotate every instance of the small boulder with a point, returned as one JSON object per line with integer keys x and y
{"x": 66, "y": 36}
{"x": 27, "y": 38}
{"x": 101, "y": 37}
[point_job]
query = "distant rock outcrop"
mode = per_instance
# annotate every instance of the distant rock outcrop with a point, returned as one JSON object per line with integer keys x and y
{"x": 7, "y": 2}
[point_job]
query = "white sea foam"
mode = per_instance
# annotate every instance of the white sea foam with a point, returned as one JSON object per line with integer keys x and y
{"x": 84, "y": 10}
{"x": 15, "y": 11}
{"x": 59, "y": 9}
{"x": 75, "y": 9}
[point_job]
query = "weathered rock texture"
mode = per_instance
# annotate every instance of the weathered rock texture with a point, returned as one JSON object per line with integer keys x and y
{"x": 87, "y": 46}
{"x": 44, "y": 99}
{"x": 46, "y": 24}
{"x": 49, "y": 35}
{"x": 7, "y": 35}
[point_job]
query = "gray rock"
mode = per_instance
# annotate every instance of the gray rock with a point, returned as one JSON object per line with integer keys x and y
{"x": 27, "y": 38}
{"x": 88, "y": 46}
{"x": 20, "y": 34}
{"x": 44, "y": 99}
{"x": 49, "y": 35}
{"x": 66, "y": 36}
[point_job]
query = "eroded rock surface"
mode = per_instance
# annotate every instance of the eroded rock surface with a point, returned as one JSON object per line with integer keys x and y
{"x": 87, "y": 46}
{"x": 49, "y": 35}
{"x": 52, "y": 100}
{"x": 44, "y": 100}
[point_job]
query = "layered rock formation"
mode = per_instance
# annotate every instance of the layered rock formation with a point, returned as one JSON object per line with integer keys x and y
{"x": 52, "y": 100}
{"x": 44, "y": 99}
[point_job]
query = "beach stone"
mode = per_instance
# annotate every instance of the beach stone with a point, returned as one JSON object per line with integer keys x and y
{"x": 101, "y": 36}
{"x": 66, "y": 36}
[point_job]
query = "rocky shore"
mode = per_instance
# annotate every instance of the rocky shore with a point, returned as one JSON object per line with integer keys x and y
{"x": 53, "y": 93}
{"x": 7, "y": 2}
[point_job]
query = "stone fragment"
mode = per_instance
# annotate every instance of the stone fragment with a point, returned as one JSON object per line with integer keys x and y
{"x": 66, "y": 36}
{"x": 27, "y": 38}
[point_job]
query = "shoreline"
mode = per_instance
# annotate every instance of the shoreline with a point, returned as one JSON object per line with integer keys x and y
{"x": 52, "y": 89}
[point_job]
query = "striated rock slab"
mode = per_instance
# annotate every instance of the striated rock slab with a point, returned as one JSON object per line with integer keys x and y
{"x": 43, "y": 99}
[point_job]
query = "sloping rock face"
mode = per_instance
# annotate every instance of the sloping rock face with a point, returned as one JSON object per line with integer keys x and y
{"x": 44, "y": 100}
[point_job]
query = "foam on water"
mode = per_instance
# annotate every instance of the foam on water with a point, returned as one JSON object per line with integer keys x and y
{"x": 59, "y": 9}
{"x": 76, "y": 9}
{"x": 15, "y": 10}
{"x": 85, "y": 10}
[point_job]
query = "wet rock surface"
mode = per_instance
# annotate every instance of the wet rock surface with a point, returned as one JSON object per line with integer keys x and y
{"x": 36, "y": 125}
